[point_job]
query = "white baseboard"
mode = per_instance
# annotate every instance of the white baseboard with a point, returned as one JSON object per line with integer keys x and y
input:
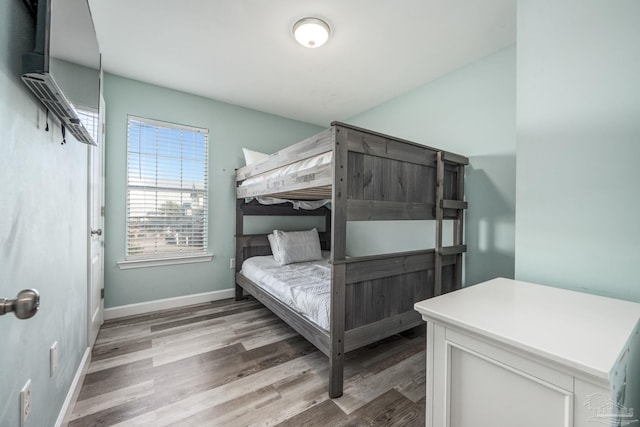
{"x": 163, "y": 304}
{"x": 74, "y": 389}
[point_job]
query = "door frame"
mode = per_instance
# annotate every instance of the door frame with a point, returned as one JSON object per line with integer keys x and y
{"x": 92, "y": 176}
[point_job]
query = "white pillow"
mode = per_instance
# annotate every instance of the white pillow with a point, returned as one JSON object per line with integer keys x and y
{"x": 274, "y": 247}
{"x": 297, "y": 246}
{"x": 251, "y": 156}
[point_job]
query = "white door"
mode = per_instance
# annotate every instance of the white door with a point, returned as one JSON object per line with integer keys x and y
{"x": 95, "y": 293}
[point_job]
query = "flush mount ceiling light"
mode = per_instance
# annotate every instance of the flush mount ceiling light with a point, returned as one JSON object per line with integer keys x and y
{"x": 311, "y": 32}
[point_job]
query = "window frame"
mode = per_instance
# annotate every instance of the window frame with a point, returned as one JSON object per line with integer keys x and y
{"x": 171, "y": 258}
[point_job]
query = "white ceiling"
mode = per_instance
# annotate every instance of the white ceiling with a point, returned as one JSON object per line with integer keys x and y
{"x": 242, "y": 51}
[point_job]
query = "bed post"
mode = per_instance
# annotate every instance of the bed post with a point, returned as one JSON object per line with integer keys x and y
{"x": 338, "y": 254}
{"x": 437, "y": 276}
{"x": 239, "y": 255}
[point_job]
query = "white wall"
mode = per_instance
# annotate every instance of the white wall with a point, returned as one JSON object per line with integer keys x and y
{"x": 43, "y": 236}
{"x": 578, "y": 145}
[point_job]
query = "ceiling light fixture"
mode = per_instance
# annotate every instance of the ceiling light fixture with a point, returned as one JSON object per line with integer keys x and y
{"x": 311, "y": 32}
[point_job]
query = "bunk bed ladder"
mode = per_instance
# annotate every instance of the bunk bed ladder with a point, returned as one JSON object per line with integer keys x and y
{"x": 458, "y": 247}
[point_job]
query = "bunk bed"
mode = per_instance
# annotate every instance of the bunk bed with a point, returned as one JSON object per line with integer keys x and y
{"x": 367, "y": 176}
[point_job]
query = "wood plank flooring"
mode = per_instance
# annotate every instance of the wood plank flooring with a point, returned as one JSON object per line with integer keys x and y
{"x": 229, "y": 363}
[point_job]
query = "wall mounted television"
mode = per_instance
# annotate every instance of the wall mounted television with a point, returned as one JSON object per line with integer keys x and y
{"x": 65, "y": 62}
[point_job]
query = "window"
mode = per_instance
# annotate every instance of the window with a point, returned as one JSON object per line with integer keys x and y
{"x": 89, "y": 118}
{"x": 167, "y": 203}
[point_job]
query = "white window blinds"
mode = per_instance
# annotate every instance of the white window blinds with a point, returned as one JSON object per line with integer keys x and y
{"x": 167, "y": 190}
{"x": 89, "y": 118}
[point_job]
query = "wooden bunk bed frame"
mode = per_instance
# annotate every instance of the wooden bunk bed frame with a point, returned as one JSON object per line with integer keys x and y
{"x": 371, "y": 177}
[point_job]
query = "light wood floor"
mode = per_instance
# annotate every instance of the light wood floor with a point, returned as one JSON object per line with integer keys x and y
{"x": 229, "y": 363}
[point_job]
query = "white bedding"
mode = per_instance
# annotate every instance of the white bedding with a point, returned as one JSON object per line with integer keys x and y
{"x": 304, "y": 286}
{"x": 311, "y": 162}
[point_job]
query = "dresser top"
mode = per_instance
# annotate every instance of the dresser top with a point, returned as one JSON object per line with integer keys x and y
{"x": 579, "y": 330}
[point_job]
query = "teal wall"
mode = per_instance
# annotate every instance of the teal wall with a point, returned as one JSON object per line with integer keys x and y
{"x": 470, "y": 111}
{"x": 578, "y": 150}
{"x": 43, "y": 236}
{"x": 230, "y": 129}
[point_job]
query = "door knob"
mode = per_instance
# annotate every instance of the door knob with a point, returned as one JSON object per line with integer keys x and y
{"x": 97, "y": 232}
{"x": 24, "y": 306}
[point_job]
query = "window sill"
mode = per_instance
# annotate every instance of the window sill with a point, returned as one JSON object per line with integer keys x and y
{"x": 142, "y": 263}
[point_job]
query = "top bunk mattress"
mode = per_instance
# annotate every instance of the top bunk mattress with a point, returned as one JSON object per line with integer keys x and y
{"x": 294, "y": 176}
{"x": 303, "y": 286}
{"x": 299, "y": 166}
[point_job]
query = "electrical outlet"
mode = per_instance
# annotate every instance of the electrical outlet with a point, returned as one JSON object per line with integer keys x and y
{"x": 25, "y": 403}
{"x": 232, "y": 263}
{"x": 53, "y": 358}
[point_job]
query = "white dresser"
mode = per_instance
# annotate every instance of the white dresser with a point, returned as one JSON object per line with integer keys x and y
{"x": 506, "y": 353}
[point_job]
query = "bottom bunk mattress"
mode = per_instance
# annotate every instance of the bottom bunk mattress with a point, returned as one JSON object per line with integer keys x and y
{"x": 303, "y": 286}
